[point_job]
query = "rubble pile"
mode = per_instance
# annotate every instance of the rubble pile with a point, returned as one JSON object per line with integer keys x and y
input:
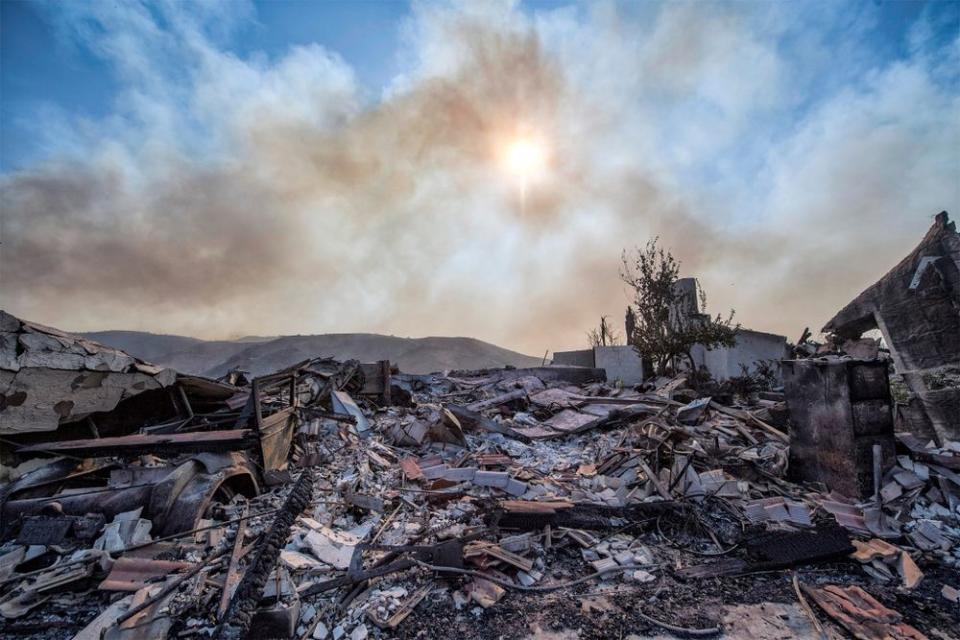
{"x": 500, "y": 503}
{"x": 810, "y": 497}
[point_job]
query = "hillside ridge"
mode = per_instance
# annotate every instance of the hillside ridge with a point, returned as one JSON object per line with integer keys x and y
{"x": 216, "y": 357}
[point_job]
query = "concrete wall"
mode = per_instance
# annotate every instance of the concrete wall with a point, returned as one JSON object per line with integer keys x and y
{"x": 621, "y": 363}
{"x": 751, "y": 346}
{"x": 581, "y": 358}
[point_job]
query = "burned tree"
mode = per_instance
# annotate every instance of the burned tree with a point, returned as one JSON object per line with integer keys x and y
{"x": 630, "y": 322}
{"x": 604, "y": 335}
{"x": 666, "y": 323}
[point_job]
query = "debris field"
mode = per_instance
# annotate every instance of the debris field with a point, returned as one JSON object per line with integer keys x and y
{"x": 347, "y": 500}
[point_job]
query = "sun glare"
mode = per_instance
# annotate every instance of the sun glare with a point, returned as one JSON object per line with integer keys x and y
{"x": 525, "y": 158}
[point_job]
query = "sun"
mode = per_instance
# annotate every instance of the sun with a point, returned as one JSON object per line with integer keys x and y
{"x": 525, "y": 158}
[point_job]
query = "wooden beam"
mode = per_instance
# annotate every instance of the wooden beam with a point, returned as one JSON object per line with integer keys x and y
{"x": 233, "y": 573}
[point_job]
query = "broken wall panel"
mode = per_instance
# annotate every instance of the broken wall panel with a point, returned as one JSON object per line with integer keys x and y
{"x": 224, "y": 440}
{"x": 751, "y": 347}
{"x": 276, "y": 436}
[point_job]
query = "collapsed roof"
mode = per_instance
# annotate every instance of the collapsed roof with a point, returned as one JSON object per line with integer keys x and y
{"x": 49, "y": 377}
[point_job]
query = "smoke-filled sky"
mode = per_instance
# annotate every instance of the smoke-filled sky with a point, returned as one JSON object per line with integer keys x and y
{"x": 463, "y": 168}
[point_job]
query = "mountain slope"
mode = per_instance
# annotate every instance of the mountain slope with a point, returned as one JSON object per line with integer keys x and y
{"x": 215, "y": 357}
{"x": 413, "y": 355}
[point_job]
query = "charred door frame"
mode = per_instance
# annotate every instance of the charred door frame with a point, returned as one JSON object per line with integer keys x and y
{"x": 275, "y": 431}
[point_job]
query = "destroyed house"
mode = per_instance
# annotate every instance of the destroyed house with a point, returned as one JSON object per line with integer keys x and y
{"x": 340, "y": 500}
{"x": 62, "y": 395}
{"x": 916, "y": 307}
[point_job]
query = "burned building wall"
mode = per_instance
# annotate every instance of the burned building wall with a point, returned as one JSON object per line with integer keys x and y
{"x": 50, "y": 378}
{"x": 916, "y": 307}
{"x": 839, "y": 409}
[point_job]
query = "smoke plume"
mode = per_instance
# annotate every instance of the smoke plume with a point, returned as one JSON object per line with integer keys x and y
{"x": 230, "y": 196}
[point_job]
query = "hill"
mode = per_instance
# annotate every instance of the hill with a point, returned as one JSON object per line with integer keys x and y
{"x": 263, "y": 355}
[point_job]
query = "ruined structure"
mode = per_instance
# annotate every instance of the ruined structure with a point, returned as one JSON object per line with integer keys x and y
{"x": 344, "y": 500}
{"x": 916, "y": 307}
{"x": 839, "y": 411}
{"x": 618, "y": 362}
{"x": 624, "y": 364}
{"x": 727, "y": 362}
{"x": 49, "y": 378}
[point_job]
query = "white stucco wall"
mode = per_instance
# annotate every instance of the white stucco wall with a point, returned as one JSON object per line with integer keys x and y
{"x": 751, "y": 346}
{"x": 621, "y": 363}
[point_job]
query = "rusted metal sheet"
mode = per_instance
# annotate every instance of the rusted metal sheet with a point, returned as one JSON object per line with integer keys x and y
{"x": 132, "y": 574}
{"x": 861, "y": 614}
{"x": 276, "y": 434}
{"x": 411, "y": 469}
{"x": 569, "y": 420}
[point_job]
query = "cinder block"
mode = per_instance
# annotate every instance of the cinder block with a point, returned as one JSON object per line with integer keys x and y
{"x": 516, "y": 487}
{"x": 460, "y": 474}
{"x": 869, "y": 381}
{"x": 872, "y": 417}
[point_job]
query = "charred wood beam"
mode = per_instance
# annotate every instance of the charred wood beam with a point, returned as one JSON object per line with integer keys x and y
{"x": 510, "y": 396}
{"x": 471, "y": 419}
{"x": 518, "y": 514}
{"x": 244, "y": 603}
{"x": 313, "y": 412}
{"x": 227, "y": 440}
